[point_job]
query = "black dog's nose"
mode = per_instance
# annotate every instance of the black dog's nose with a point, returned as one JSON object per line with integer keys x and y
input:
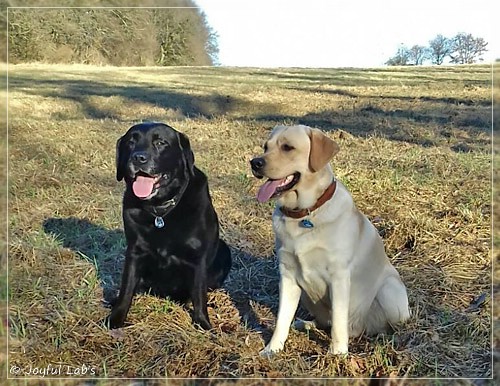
{"x": 140, "y": 157}
{"x": 258, "y": 163}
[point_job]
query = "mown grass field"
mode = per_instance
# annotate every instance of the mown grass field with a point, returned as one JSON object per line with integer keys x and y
{"x": 415, "y": 153}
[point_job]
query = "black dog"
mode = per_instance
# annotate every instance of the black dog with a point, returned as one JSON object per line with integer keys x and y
{"x": 172, "y": 230}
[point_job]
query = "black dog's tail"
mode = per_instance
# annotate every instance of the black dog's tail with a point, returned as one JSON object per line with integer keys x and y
{"x": 220, "y": 266}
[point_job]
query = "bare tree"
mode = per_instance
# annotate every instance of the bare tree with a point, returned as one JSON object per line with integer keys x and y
{"x": 417, "y": 54}
{"x": 467, "y": 49}
{"x": 439, "y": 48}
{"x": 401, "y": 58}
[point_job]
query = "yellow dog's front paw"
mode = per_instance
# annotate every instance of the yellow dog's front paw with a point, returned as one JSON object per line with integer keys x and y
{"x": 339, "y": 349}
{"x": 268, "y": 352}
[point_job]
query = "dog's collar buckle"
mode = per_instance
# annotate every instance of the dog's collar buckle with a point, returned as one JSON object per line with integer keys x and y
{"x": 167, "y": 204}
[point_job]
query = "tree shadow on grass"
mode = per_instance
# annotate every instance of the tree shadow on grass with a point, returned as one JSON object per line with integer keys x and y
{"x": 82, "y": 91}
{"x": 426, "y": 128}
{"x": 251, "y": 279}
{"x": 428, "y": 122}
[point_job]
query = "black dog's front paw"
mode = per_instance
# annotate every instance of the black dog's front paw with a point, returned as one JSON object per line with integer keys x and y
{"x": 114, "y": 320}
{"x": 203, "y": 322}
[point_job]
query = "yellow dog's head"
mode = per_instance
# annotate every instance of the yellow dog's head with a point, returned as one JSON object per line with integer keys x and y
{"x": 292, "y": 157}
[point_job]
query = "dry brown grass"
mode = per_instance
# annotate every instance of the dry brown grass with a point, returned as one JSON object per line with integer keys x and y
{"x": 415, "y": 152}
{"x": 3, "y": 220}
{"x": 496, "y": 220}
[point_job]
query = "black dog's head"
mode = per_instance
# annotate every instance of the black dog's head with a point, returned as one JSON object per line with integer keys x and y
{"x": 151, "y": 157}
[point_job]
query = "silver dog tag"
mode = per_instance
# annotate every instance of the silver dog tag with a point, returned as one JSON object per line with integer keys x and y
{"x": 159, "y": 223}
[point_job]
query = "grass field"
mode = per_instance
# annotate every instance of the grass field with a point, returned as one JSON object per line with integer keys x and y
{"x": 415, "y": 153}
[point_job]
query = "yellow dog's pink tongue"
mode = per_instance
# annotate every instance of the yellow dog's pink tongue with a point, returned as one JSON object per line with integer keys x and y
{"x": 267, "y": 190}
{"x": 143, "y": 186}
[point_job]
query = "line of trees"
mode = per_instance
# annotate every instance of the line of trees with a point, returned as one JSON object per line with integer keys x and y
{"x": 114, "y": 36}
{"x": 463, "y": 48}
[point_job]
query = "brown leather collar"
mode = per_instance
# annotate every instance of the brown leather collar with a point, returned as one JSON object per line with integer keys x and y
{"x": 299, "y": 213}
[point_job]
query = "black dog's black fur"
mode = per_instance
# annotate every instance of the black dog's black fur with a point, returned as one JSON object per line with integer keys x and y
{"x": 185, "y": 257}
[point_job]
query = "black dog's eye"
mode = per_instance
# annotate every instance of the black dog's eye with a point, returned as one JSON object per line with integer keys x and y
{"x": 286, "y": 147}
{"x": 160, "y": 142}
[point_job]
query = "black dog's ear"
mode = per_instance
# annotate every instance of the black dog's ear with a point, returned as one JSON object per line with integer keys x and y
{"x": 120, "y": 161}
{"x": 186, "y": 152}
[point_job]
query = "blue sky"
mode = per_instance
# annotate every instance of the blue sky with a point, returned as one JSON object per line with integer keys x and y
{"x": 338, "y": 33}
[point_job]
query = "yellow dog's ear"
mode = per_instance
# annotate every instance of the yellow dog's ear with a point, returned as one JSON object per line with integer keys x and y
{"x": 322, "y": 150}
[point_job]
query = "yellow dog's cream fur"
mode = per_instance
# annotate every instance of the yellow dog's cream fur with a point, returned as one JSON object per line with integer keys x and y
{"x": 338, "y": 268}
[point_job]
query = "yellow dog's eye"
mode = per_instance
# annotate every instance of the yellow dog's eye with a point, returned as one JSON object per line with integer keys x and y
{"x": 286, "y": 147}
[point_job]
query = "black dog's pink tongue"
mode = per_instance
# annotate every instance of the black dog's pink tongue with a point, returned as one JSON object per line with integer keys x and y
{"x": 143, "y": 186}
{"x": 267, "y": 190}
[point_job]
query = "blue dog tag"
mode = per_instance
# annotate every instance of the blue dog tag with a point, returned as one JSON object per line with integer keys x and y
{"x": 306, "y": 224}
